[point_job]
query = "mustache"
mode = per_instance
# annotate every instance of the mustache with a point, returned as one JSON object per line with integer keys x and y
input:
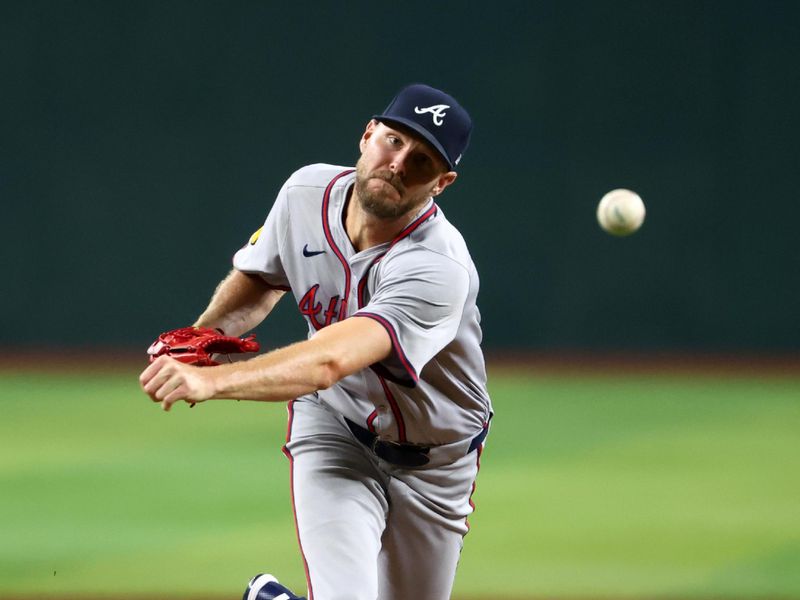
{"x": 390, "y": 177}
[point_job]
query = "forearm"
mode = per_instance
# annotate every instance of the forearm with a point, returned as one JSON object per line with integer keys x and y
{"x": 333, "y": 353}
{"x": 280, "y": 375}
{"x": 239, "y": 304}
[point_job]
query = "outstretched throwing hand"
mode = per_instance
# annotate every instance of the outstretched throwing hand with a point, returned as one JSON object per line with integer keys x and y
{"x": 175, "y": 356}
{"x": 167, "y": 381}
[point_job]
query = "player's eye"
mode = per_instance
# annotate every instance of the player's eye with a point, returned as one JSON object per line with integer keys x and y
{"x": 393, "y": 140}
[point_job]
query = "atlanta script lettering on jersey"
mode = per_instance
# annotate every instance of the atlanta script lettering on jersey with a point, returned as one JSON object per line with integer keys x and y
{"x": 309, "y": 306}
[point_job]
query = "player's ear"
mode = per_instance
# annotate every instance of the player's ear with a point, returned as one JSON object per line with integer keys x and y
{"x": 445, "y": 179}
{"x": 367, "y": 134}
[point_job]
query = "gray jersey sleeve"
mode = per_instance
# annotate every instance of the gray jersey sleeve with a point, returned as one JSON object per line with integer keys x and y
{"x": 261, "y": 254}
{"x": 419, "y": 298}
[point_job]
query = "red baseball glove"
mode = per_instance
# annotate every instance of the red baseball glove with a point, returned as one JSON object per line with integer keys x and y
{"x": 196, "y": 345}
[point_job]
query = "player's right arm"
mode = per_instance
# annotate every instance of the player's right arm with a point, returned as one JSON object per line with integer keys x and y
{"x": 240, "y": 302}
{"x": 331, "y": 354}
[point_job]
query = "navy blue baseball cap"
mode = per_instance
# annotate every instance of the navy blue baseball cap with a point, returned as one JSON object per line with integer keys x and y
{"x": 434, "y": 115}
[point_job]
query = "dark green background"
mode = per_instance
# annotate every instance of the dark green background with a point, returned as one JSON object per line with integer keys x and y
{"x": 142, "y": 142}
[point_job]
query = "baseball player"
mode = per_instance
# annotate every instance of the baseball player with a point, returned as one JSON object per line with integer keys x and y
{"x": 388, "y": 408}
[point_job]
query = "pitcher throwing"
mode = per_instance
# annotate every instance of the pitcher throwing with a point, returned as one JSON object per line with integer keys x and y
{"x": 387, "y": 400}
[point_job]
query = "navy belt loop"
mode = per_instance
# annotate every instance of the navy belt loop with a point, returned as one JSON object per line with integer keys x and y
{"x": 478, "y": 439}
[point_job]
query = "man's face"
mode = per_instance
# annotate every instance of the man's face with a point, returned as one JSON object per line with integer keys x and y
{"x": 397, "y": 171}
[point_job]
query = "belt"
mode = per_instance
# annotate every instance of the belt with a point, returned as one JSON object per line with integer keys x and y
{"x": 398, "y": 453}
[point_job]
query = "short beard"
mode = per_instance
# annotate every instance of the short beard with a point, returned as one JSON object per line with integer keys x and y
{"x": 378, "y": 205}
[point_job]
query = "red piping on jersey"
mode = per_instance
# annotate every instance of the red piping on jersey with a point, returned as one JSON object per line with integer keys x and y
{"x": 371, "y": 420}
{"x": 290, "y": 408}
{"x": 398, "y": 416}
{"x": 329, "y": 236}
{"x": 395, "y": 343}
{"x": 478, "y": 451}
{"x": 362, "y": 286}
{"x": 409, "y": 229}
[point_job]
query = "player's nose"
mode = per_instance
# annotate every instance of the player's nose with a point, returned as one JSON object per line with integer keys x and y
{"x": 399, "y": 163}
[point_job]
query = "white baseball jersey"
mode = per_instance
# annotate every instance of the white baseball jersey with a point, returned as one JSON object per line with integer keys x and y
{"x": 421, "y": 287}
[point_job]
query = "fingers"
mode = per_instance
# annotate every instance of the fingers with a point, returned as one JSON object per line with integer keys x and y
{"x": 179, "y": 393}
{"x": 166, "y": 381}
{"x": 151, "y": 371}
{"x": 155, "y": 379}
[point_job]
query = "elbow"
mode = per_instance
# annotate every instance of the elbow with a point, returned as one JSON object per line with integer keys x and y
{"x": 329, "y": 373}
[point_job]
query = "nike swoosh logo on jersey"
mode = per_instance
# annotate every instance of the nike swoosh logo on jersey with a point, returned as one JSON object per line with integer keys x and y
{"x": 307, "y": 252}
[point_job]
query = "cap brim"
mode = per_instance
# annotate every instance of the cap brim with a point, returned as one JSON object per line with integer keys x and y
{"x": 429, "y": 137}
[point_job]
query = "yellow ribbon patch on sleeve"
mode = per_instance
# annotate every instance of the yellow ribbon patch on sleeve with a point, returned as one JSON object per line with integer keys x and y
{"x": 255, "y": 236}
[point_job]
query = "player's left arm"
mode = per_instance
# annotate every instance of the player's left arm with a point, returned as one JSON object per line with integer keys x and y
{"x": 331, "y": 354}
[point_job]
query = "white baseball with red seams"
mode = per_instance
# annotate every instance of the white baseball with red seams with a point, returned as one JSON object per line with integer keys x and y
{"x": 352, "y": 507}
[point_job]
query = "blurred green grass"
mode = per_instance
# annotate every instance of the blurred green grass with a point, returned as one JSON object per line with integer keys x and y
{"x": 591, "y": 485}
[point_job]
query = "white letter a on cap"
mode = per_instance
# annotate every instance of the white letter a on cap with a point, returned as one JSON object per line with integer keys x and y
{"x": 437, "y": 110}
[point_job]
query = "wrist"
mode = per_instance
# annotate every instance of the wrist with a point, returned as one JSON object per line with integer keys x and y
{"x": 216, "y": 380}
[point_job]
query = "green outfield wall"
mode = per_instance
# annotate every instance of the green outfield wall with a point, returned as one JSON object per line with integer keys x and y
{"x": 142, "y": 142}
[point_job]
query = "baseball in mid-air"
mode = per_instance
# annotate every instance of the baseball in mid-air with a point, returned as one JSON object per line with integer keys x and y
{"x": 620, "y": 212}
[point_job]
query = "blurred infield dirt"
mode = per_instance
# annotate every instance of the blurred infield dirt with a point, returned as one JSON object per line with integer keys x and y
{"x": 748, "y": 364}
